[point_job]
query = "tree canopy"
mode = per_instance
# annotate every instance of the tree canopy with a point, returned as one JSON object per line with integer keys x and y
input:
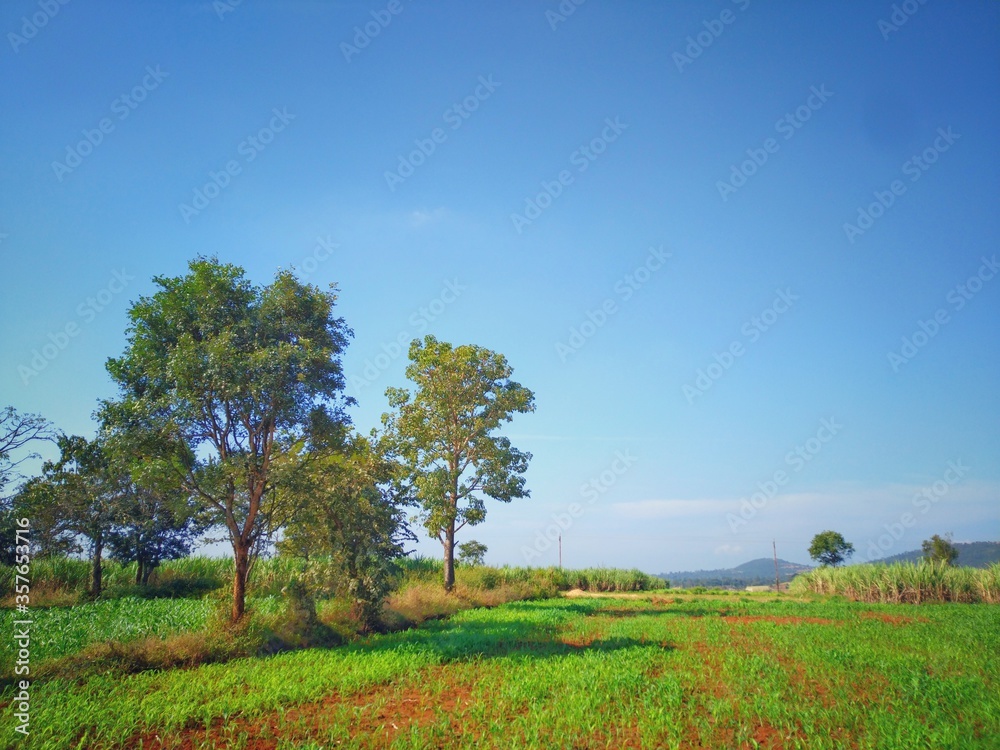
{"x": 830, "y": 548}
{"x": 445, "y": 432}
{"x": 939, "y": 549}
{"x": 223, "y": 383}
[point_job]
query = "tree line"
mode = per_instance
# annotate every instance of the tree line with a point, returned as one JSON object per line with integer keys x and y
{"x": 231, "y": 415}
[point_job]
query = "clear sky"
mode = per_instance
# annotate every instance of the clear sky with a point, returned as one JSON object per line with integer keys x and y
{"x": 733, "y": 247}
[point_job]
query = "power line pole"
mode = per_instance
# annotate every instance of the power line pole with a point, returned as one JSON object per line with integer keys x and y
{"x": 777, "y": 578}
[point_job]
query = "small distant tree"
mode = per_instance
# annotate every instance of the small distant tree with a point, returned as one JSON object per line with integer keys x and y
{"x": 830, "y": 548}
{"x": 940, "y": 549}
{"x": 471, "y": 552}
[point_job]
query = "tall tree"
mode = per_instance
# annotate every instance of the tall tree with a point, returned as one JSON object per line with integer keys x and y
{"x": 223, "y": 379}
{"x": 446, "y": 436}
{"x": 830, "y": 548}
{"x": 939, "y": 549}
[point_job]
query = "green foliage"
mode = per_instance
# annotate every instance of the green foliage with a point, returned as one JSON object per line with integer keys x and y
{"x": 905, "y": 583}
{"x": 830, "y": 548}
{"x": 939, "y": 549}
{"x": 472, "y": 552}
{"x": 612, "y": 579}
{"x": 352, "y": 528}
{"x": 224, "y": 385}
{"x": 445, "y": 434}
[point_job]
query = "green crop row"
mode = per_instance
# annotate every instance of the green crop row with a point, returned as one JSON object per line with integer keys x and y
{"x": 911, "y": 583}
{"x": 588, "y": 673}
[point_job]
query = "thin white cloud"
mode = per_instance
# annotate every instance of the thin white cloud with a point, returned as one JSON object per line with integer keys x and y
{"x": 421, "y": 217}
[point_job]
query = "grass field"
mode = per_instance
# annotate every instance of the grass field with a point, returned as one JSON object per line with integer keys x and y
{"x": 635, "y": 671}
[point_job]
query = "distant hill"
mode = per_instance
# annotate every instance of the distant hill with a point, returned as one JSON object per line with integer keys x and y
{"x": 758, "y": 572}
{"x": 972, "y": 554}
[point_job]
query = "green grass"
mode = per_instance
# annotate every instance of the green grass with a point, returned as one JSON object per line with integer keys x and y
{"x": 61, "y": 631}
{"x": 583, "y": 672}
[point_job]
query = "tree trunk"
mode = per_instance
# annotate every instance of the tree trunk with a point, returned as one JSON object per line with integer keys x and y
{"x": 97, "y": 573}
{"x": 147, "y": 569}
{"x": 138, "y": 572}
{"x": 241, "y": 555}
{"x": 449, "y": 558}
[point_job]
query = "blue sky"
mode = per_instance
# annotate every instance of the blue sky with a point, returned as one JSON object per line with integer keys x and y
{"x": 733, "y": 247}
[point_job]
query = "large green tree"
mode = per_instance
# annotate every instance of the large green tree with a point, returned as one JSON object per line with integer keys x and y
{"x": 830, "y": 548}
{"x": 223, "y": 382}
{"x": 446, "y": 434}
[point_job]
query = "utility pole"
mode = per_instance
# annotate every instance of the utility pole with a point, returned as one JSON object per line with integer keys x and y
{"x": 560, "y": 551}
{"x": 777, "y": 578}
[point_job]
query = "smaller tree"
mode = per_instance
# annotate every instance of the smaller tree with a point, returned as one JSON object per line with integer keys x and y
{"x": 151, "y": 529}
{"x": 830, "y": 548}
{"x": 939, "y": 549}
{"x": 52, "y": 530}
{"x": 350, "y": 526}
{"x": 16, "y": 431}
{"x": 446, "y": 434}
{"x": 471, "y": 552}
{"x": 84, "y": 492}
